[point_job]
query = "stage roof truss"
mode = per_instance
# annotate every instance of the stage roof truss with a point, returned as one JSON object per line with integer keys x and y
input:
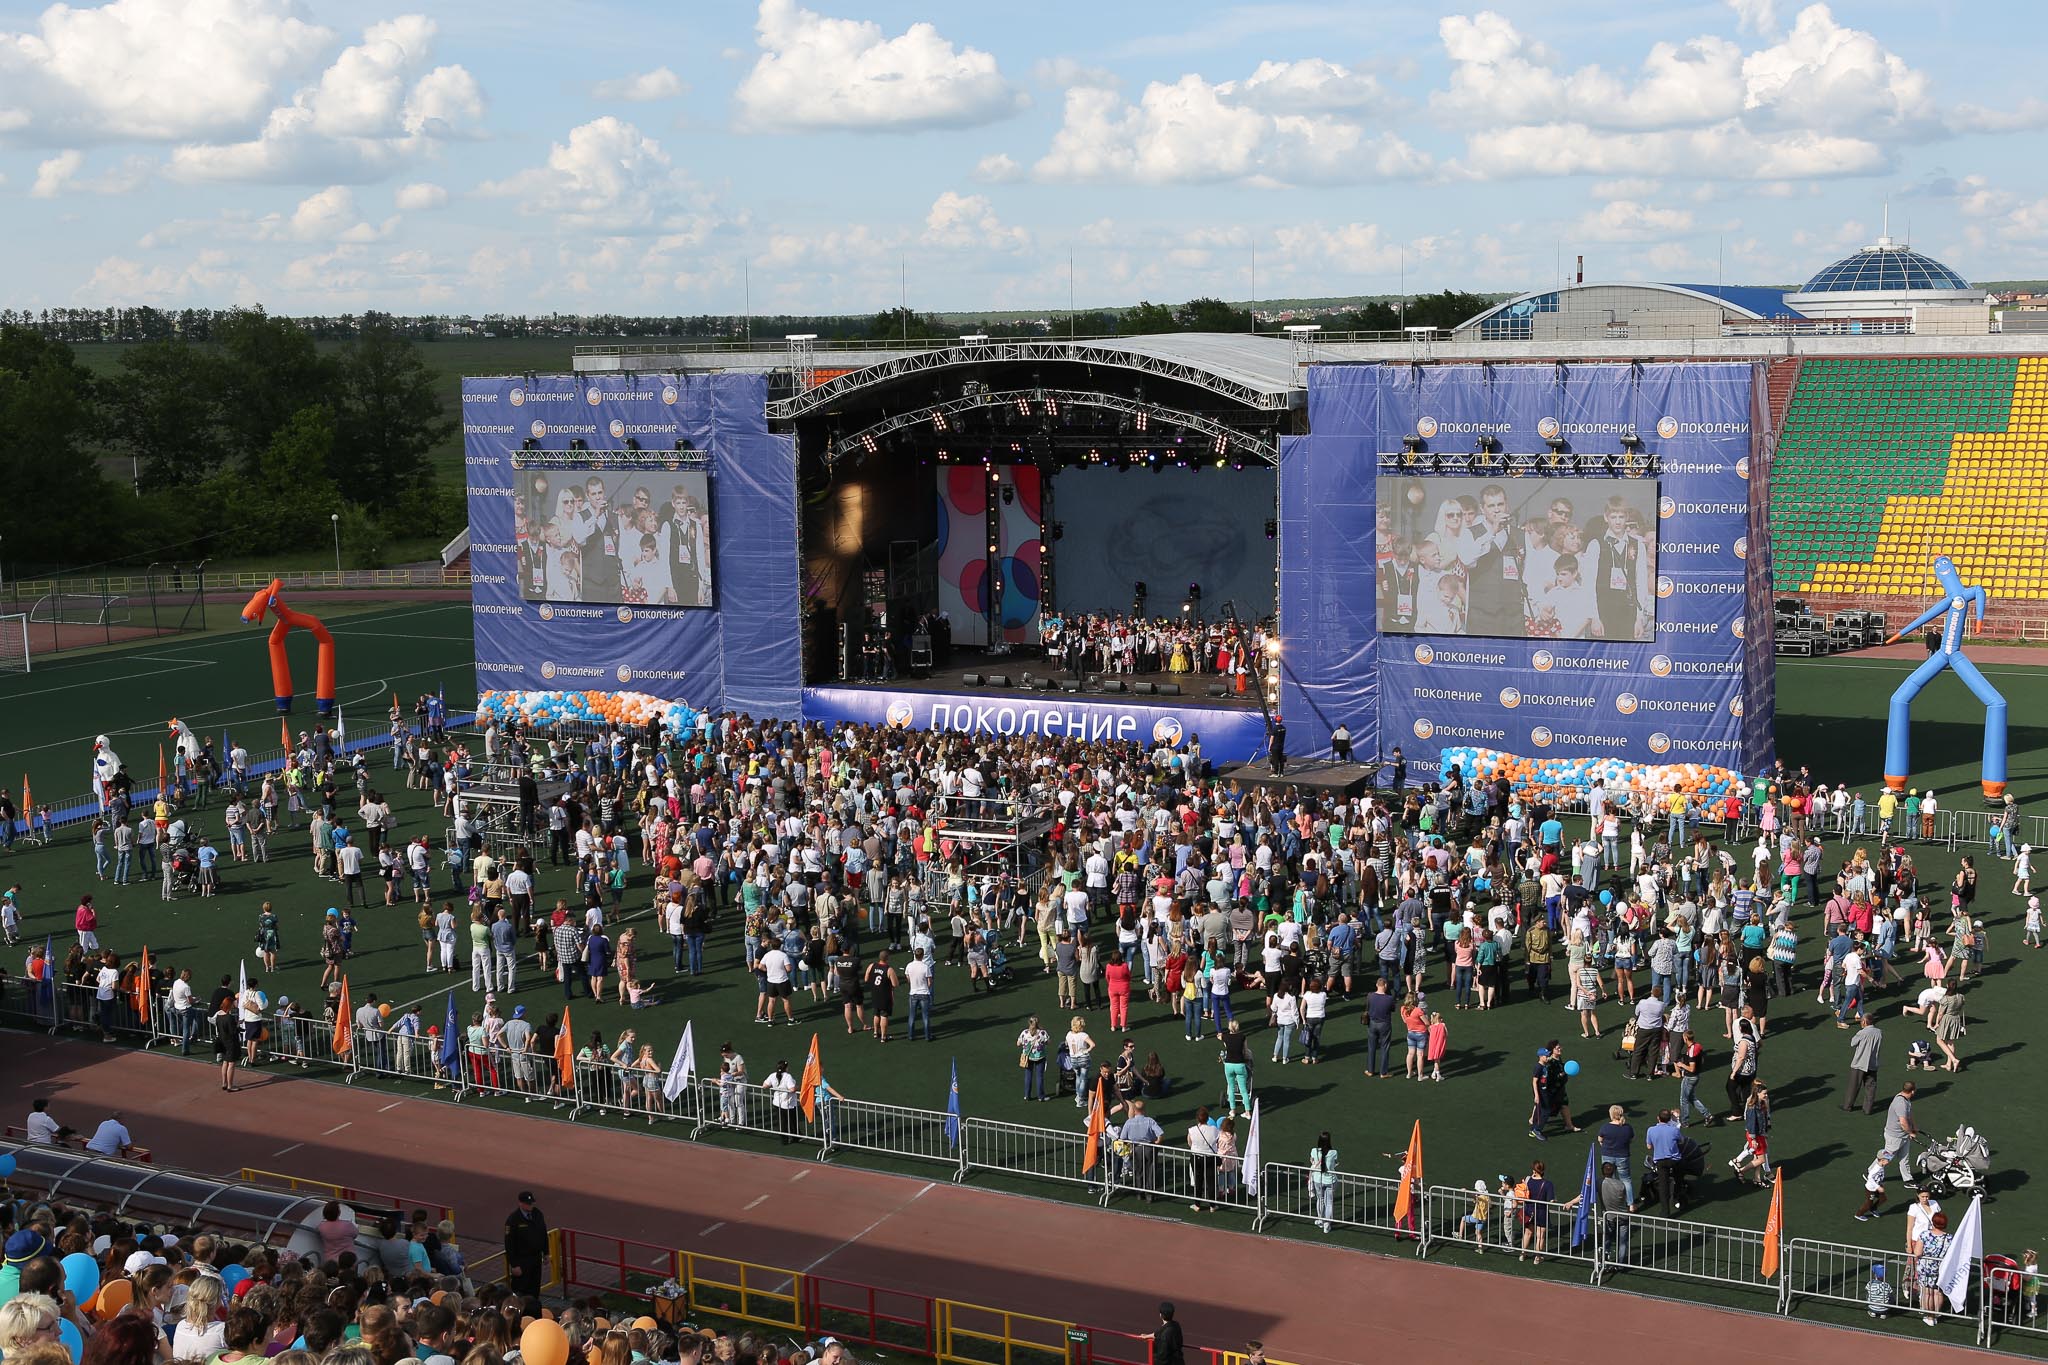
{"x": 1222, "y": 439}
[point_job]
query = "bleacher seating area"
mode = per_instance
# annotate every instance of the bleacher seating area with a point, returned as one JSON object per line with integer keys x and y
{"x": 1883, "y": 464}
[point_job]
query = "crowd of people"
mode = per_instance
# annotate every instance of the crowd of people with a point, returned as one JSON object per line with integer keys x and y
{"x": 1114, "y": 644}
{"x": 832, "y": 859}
{"x": 81, "y": 1286}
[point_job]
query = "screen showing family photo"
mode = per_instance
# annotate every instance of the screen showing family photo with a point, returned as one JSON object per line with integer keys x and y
{"x": 1554, "y": 559}
{"x": 625, "y": 538}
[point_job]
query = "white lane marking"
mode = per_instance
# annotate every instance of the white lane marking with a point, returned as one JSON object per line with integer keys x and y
{"x": 799, "y": 1175}
{"x": 293, "y": 1148}
{"x": 756, "y": 1204}
{"x": 336, "y": 1128}
{"x": 391, "y": 1106}
{"x": 870, "y": 1227}
{"x": 713, "y": 1228}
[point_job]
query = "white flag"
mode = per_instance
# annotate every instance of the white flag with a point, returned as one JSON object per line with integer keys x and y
{"x": 1253, "y": 1156}
{"x": 243, "y": 994}
{"x": 683, "y": 1069}
{"x": 1965, "y": 1251}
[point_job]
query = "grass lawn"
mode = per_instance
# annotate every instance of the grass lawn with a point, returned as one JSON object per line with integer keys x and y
{"x": 1830, "y": 717}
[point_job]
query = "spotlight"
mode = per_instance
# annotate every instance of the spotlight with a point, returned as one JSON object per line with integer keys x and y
{"x": 868, "y": 443}
{"x": 1059, "y": 530}
{"x": 529, "y": 444}
{"x": 632, "y": 443}
{"x": 939, "y": 422}
{"x": 1272, "y": 528}
{"x": 1485, "y": 445}
{"x": 1009, "y": 495}
{"x": 1411, "y": 444}
{"x": 579, "y": 444}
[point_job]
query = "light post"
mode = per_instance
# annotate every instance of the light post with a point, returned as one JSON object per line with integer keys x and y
{"x": 334, "y": 518}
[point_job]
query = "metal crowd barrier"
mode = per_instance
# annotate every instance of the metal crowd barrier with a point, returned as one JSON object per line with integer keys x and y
{"x": 1836, "y": 1273}
{"x": 891, "y": 1130}
{"x": 1037, "y": 1153}
{"x": 1365, "y": 1202}
{"x": 1685, "y": 1249}
{"x": 610, "y": 1089}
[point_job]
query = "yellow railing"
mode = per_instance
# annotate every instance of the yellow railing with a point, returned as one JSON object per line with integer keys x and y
{"x": 762, "y": 1294}
{"x": 971, "y": 1335}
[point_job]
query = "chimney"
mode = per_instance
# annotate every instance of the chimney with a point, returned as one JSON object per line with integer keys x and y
{"x": 1581, "y": 279}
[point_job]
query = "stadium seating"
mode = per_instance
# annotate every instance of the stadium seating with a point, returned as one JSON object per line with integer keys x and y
{"x": 1883, "y": 464}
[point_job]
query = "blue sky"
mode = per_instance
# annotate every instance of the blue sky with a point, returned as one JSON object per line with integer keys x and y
{"x": 651, "y": 158}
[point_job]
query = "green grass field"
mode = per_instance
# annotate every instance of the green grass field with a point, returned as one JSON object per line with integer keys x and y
{"x": 1830, "y": 716}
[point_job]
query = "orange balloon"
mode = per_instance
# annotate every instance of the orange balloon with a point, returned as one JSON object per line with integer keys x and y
{"x": 114, "y": 1295}
{"x": 544, "y": 1343}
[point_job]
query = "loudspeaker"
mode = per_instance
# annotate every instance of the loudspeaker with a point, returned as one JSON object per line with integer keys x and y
{"x": 1116, "y": 685}
{"x": 1036, "y": 684}
{"x": 998, "y": 680}
{"x": 1168, "y": 689}
{"x": 1219, "y": 689}
{"x": 1143, "y": 689}
{"x": 972, "y": 679}
{"x": 1070, "y": 684}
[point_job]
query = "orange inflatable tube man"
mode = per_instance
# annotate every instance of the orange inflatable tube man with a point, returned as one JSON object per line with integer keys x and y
{"x": 271, "y": 599}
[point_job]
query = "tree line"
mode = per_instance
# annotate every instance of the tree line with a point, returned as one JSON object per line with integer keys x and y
{"x": 208, "y": 325}
{"x": 241, "y": 443}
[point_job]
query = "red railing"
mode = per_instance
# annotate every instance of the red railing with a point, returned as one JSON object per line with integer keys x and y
{"x": 859, "y": 1313}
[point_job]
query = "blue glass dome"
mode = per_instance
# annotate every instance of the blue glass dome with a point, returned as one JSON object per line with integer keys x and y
{"x": 1884, "y": 268}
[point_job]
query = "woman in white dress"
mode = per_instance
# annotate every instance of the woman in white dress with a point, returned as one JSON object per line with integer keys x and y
{"x": 565, "y": 536}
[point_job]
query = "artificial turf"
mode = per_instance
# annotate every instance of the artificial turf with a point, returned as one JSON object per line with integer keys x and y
{"x": 1830, "y": 716}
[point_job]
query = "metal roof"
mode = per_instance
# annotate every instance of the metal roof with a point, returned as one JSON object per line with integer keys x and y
{"x": 1887, "y": 268}
{"x": 1752, "y": 301}
{"x": 1262, "y": 363}
{"x": 1759, "y": 301}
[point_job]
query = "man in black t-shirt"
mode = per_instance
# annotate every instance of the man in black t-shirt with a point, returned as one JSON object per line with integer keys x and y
{"x": 1166, "y": 1339}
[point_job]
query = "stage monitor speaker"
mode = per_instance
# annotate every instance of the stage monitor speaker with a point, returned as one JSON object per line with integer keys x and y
{"x": 1143, "y": 689}
{"x": 1219, "y": 689}
{"x": 1070, "y": 684}
{"x": 1116, "y": 685}
{"x": 1167, "y": 689}
{"x": 998, "y": 680}
{"x": 972, "y": 679}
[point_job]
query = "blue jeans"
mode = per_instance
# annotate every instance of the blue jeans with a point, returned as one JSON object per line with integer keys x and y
{"x": 100, "y": 859}
{"x": 920, "y": 1007}
{"x": 1379, "y": 1042}
{"x": 146, "y": 854}
{"x": 1661, "y": 983}
{"x": 1610, "y": 851}
{"x": 1461, "y": 985}
{"x": 1852, "y": 1002}
{"x": 1220, "y": 1011}
{"x": 1082, "y": 1080}
{"x": 122, "y": 860}
{"x": 695, "y": 945}
{"x": 1674, "y": 831}
{"x": 1191, "y": 1018}
{"x": 1283, "y": 1041}
{"x": 1034, "y": 1079}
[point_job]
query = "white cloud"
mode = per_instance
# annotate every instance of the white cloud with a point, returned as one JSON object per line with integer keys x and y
{"x": 1306, "y": 86}
{"x": 968, "y": 220}
{"x": 1626, "y": 220}
{"x": 1354, "y": 248}
{"x": 1194, "y": 131}
{"x": 1756, "y": 16}
{"x": 1626, "y": 189}
{"x": 152, "y": 70}
{"x": 420, "y": 197}
{"x": 376, "y": 106}
{"x": 816, "y": 73}
{"x": 59, "y": 175}
{"x": 1067, "y": 72}
{"x": 641, "y": 87}
{"x": 998, "y": 168}
{"x": 1821, "y": 99}
{"x": 211, "y": 277}
{"x": 608, "y": 175}
{"x": 331, "y": 216}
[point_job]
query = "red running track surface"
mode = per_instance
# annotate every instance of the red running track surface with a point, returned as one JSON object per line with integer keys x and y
{"x": 1311, "y": 1304}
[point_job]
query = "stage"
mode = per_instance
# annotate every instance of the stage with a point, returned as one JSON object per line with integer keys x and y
{"x": 1181, "y": 689}
{"x": 1323, "y": 776}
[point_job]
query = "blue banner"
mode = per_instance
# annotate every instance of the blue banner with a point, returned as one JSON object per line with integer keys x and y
{"x": 1227, "y": 735}
{"x": 1698, "y": 691}
{"x": 741, "y": 652}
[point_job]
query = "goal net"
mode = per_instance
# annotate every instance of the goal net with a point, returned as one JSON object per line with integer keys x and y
{"x": 14, "y": 643}
{"x": 80, "y": 609}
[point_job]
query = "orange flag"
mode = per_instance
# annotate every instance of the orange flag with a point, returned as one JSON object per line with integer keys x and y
{"x": 565, "y": 1052}
{"x": 1774, "y": 1225}
{"x": 284, "y": 735}
{"x": 163, "y": 773}
{"x": 807, "y": 1084}
{"x": 1097, "y": 1121}
{"x": 344, "y": 1041}
{"x": 1405, "y": 1197}
{"x": 142, "y": 988}
{"x": 28, "y": 800}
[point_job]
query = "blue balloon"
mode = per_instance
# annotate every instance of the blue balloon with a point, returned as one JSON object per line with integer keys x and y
{"x": 68, "y": 1334}
{"x": 1607, "y": 898}
{"x": 233, "y": 1275}
{"x": 81, "y": 1275}
{"x": 1571, "y": 1068}
{"x": 6, "y": 1165}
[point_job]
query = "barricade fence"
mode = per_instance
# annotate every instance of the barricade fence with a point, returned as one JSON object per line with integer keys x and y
{"x": 1441, "y": 1218}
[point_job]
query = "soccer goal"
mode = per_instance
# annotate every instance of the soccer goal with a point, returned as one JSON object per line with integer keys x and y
{"x": 14, "y": 643}
{"x": 80, "y": 609}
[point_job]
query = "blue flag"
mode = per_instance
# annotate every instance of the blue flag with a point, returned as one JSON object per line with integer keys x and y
{"x": 953, "y": 1107}
{"x": 451, "y": 1039}
{"x": 1589, "y": 1192}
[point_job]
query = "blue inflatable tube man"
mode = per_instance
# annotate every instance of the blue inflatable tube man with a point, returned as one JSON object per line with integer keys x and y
{"x": 1960, "y": 602}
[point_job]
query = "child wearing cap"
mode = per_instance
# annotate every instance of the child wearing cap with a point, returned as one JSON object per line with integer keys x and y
{"x": 1877, "y": 1295}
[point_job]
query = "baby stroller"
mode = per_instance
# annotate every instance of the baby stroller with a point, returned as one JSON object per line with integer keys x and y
{"x": 181, "y": 867}
{"x": 999, "y": 971}
{"x": 1952, "y": 1165}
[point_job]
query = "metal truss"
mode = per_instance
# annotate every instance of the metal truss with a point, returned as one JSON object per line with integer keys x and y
{"x": 1049, "y": 403}
{"x": 810, "y": 400}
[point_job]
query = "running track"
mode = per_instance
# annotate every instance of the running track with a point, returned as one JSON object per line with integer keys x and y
{"x": 1307, "y": 1302}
